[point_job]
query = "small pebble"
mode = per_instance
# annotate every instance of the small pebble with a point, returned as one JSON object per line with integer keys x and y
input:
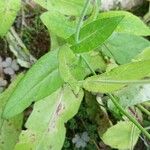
{"x": 7, "y": 67}
{"x": 10, "y": 66}
{"x": 81, "y": 141}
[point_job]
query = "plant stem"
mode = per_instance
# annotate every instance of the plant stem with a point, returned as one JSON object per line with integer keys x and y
{"x": 132, "y": 119}
{"x": 79, "y": 25}
{"x": 146, "y": 104}
{"x": 143, "y": 109}
{"x": 97, "y": 5}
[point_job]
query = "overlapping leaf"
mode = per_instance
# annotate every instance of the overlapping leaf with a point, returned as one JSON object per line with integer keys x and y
{"x": 80, "y": 69}
{"x": 8, "y": 12}
{"x": 123, "y": 135}
{"x": 130, "y": 24}
{"x": 45, "y": 127}
{"x": 94, "y": 34}
{"x": 40, "y": 81}
{"x": 132, "y": 95}
{"x": 124, "y": 47}
{"x": 58, "y": 24}
{"x": 111, "y": 81}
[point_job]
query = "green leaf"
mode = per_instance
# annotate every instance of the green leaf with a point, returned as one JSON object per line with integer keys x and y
{"x": 123, "y": 135}
{"x": 80, "y": 69}
{"x": 144, "y": 55}
{"x": 95, "y": 60}
{"x": 40, "y": 81}
{"x": 9, "y": 129}
{"x": 66, "y": 57}
{"x": 94, "y": 34}
{"x": 8, "y": 12}
{"x": 45, "y": 126}
{"x": 58, "y": 24}
{"x": 111, "y": 81}
{"x": 43, "y": 79}
{"x": 73, "y": 68}
{"x": 130, "y": 24}
{"x": 71, "y": 7}
{"x": 124, "y": 47}
{"x": 133, "y": 95}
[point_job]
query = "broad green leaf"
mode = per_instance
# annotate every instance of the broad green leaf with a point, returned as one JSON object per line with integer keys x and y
{"x": 130, "y": 24}
{"x": 58, "y": 24}
{"x": 9, "y": 129}
{"x": 43, "y": 79}
{"x": 112, "y": 80}
{"x": 124, "y": 47}
{"x": 71, "y": 7}
{"x": 94, "y": 34}
{"x": 45, "y": 126}
{"x": 40, "y": 81}
{"x": 123, "y": 135}
{"x": 8, "y": 12}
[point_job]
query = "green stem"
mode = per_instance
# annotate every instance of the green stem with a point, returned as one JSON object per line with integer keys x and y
{"x": 132, "y": 119}
{"x": 146, "y": 104}
{"x": 143, "y": 109}
{"x": 97, "y": 6}
{"x": 79, "y": 25}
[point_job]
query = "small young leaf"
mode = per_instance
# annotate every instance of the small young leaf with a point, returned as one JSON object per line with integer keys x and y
{"x": 123, "y": 135}
{"x": 130, "y": 24}
{"x": 94, "y": 34}
{"x": 124, "y": 47}
{"x": 107, "y": 82}
{"x": 40, "y": 81}
{"x": 8, "y": 12}
{"x": 45, "y": 126}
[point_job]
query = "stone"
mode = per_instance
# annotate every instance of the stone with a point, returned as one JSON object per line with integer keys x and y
{"x": 122, "y": 4}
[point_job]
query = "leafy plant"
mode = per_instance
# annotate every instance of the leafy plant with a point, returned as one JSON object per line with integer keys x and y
{"x": 55, "y": 84}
